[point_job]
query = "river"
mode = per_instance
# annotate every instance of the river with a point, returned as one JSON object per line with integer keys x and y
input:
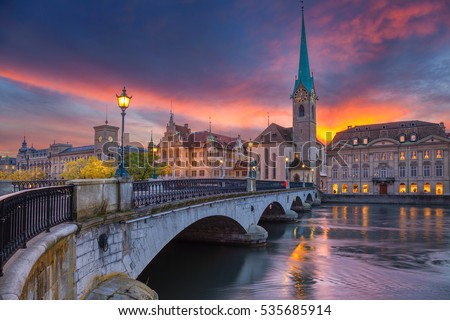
{"x": 334, "y": 252}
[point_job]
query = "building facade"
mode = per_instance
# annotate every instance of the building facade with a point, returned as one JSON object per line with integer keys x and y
{"x": 201, "y": 154}
{"x": 405, "y": 157}
{"x": 52, "y": 160}
{"x": 7, "y": 164}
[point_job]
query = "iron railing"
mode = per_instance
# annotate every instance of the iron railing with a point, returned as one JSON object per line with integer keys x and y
{"x": 147, "y": 193}
{"x": 33, "y": 184}
{"x": 25, "y": 214}
{"x": 269, "y": 185}
{"x": 293, "y": 185}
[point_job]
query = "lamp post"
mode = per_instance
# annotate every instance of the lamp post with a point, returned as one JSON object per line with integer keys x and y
{"x": 123, "y": 101}
{"x": 154, "y": 149}
{"x": 250, "y": 145}
{"x": 286, "y": 161}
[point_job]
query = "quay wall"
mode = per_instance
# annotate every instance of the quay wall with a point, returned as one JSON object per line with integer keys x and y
{"x": 421, "y": 199}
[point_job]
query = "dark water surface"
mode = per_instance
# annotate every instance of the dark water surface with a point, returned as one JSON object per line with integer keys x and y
{"x": 334, "y": 252}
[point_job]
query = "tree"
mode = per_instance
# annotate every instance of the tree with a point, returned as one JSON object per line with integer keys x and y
{"x": 22, "y": 175}
{"x": 91, "y": 168}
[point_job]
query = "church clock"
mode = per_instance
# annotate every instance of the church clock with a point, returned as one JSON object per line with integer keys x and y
{"x": 301, "y": 94}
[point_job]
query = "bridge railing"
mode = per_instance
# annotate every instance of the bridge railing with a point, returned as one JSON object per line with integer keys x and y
{"x": 33, "y": 184}
{"x": 269, "y": 185}
{"x": 147, "y": 193}
{"x": 293, "y": 184}
{"x": 25, "y": 214}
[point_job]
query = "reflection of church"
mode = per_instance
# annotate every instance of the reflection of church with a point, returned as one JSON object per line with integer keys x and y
{"x": 294, "y": 153}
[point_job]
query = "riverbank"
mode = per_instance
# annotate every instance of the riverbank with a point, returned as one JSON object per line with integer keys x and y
{"x": 422, "y": 199}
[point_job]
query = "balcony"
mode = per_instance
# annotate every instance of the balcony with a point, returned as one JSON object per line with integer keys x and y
{"x": 377, "y": 180}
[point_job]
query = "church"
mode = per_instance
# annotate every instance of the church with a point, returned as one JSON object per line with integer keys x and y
{"x": 294, "y": 153}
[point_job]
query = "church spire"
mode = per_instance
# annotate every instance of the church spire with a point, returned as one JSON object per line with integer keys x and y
{"x": 304, "y": 73}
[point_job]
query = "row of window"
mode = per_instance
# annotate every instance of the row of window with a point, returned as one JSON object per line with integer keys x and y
{"x": 385, "y": 172}
{"x": 413, "y": 188}
{"x": 385, "y": 156}
{"x": 402, "y": 138}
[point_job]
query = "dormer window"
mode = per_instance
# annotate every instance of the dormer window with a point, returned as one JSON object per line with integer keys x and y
{"x": 413, "y": 137}
{"x": 365, "y": 141}
{"x": 402, "y": 138}
{"x": 355, "y": 141}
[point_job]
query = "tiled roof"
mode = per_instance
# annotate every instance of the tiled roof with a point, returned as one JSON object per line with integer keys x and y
{"x": 78, "y": 149}
{"x": 391, "y": 130}
{"x": 275, "y": 133}
{"x": 201, "y": 137}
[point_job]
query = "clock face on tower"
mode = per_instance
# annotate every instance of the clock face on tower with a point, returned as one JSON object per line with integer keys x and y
{"x": 100, "y": 138}
{"x": 301, "y": 94}
{"x": 110, "y": 139}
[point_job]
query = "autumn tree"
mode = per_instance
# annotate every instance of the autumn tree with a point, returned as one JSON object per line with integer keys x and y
{"x": 91, "y": 168}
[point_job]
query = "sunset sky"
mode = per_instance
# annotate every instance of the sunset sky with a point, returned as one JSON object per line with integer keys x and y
{"x": 62, "y": 62}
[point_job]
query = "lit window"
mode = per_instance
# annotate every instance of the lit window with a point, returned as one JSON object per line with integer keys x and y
{"x": 413, "y": 187}
{"x": 402, "y": 138}
{"x": 426, "y": 187}
{"x": 426, "y": 154}
{"x": 413, "y": 137}
{"x": 384, "y": 156}
{"x": 355, "y": 188}
{"x": 402, "y": 188}
{"x": 365, "y": 188}
{"x": 402, "y": 155}
{"x": 439, "y": 154}
{"x": 439, "y": 188}
{"x": 355, "y": 141}
{"x": 344, "y": 188}
{"x": 335, "y": 188}
{"x": 377, "y": 156}
{"x": 413, "y": 155}
{"x": 365, "y": 141}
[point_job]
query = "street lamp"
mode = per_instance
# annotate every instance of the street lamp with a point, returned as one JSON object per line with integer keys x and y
{"x": 250, "y": 145}
{"x": 154, "y": 149}
{"x": 286, "y": 160}
{"x": 123, "y": 101}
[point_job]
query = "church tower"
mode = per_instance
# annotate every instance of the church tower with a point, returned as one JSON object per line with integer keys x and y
{"x": 304, "y": 105}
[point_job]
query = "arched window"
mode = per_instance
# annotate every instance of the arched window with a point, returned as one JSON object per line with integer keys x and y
{"x": 413, "y": 187}
{"x": 365, "y": 188}
{"x": 335, "y": 188}
{"x": 344, "y": 188}
{"x": 402, "y": 188}
{"x": 439, "y": 188}
{"x": 301, "y": 111}
{"x": 355, "y": 188}
{"x": 427, "y": 187}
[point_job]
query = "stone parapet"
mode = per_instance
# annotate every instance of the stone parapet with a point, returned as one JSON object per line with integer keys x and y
{"x": 97, "y": 197}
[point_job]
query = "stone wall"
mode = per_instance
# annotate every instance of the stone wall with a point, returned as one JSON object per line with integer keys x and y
{"x": 44, "y": 270}
{"x": 97, "y": 197}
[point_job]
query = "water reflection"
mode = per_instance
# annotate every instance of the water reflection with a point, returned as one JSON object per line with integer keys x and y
{"x": 336, "y": 252}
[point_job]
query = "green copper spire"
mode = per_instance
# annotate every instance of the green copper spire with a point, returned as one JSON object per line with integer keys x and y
{"x": 304, "y": 73}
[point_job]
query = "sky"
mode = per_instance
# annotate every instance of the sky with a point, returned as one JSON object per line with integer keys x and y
{"x": 63, "y": 61}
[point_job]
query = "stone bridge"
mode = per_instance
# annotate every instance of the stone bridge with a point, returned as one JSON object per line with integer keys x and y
{"x": 110, "y": 240}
